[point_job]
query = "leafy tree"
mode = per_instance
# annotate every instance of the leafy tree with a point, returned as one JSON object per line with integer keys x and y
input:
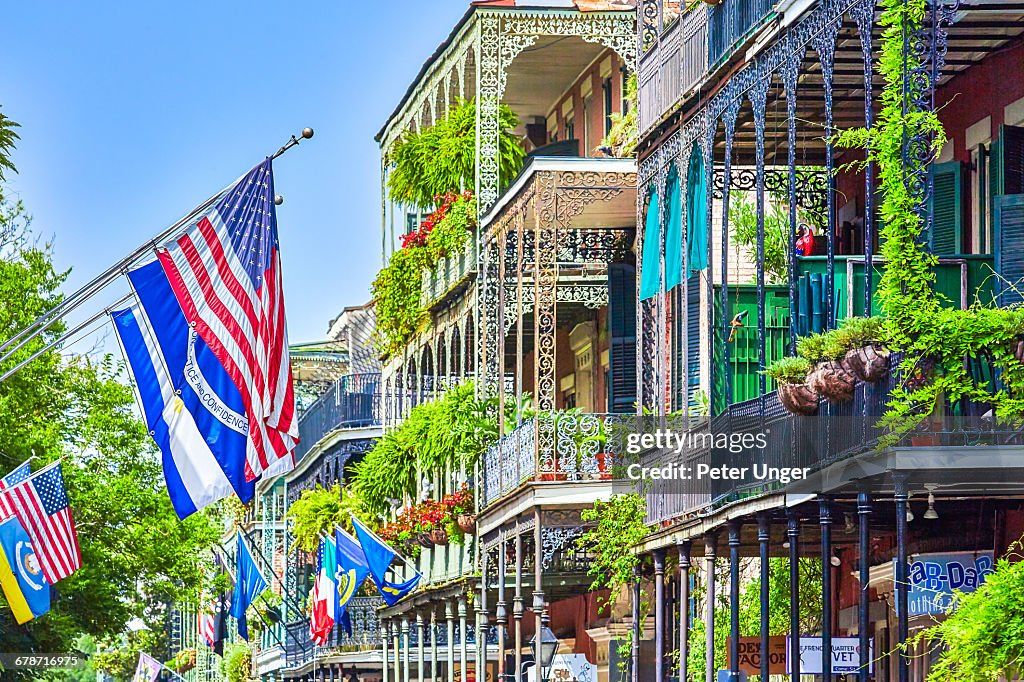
{"x": 8, "y": 137}
{"x": 440, "y": 159}
{"x": 743, "y": 225}
{"x": 136, "y": 555}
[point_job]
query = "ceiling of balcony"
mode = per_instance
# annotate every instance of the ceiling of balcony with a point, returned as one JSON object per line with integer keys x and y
{"x": 541, "y": 74}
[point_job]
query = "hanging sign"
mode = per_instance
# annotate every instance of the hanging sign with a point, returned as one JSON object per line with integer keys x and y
{"x": 845, "y": 656}
{"x": 934, "y": 577}
{"x": 750, "y": 655}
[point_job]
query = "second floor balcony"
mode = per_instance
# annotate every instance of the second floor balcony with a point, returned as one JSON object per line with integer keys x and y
{"x": 352, "y": 401}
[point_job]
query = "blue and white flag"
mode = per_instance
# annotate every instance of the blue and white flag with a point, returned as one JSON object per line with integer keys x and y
{"x": 193, "y": 410}
{"x": 249, "y": 583}
{"x": 378, "y": 558}
{"x": 351, "y": 573}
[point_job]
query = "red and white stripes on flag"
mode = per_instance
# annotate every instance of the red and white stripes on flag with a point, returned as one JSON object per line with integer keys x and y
{"x": 41, "y": 504}
{"x": 206, "y": 624}
{"x": 225, "y": 272}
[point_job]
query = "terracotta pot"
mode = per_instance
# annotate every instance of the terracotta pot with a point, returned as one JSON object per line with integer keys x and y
{"x": 439, "y": 536}
{"x": 830, "y": 380}
{"x": 467, "y": 523}
{"x": 424, "y": 540}
{"x": 554, "y": 477}
{"x": 870, "y": 363}
{"x": 604, "y": 466}
{"x": 798, "y": 399}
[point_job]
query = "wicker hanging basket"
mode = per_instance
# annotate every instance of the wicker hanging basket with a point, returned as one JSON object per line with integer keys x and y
{"x": 798, "y": 399}
{"x": 830, "y": 380}
{"x": 870, "y": 363}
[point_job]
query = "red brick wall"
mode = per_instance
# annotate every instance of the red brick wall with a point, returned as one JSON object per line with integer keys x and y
{"x": 591, "y": 75}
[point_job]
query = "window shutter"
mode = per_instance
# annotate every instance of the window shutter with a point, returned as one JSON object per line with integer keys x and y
{"x": 1013, "y": 160}
{"x": 947, "y": 209}
{"x": 693, "y": 315}
{"x": 1009, "y": 236}
{"x": 622, "y": 335}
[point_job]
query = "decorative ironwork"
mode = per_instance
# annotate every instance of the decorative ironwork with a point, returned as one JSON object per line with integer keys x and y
{"x": 553, "y": 540}
{"x": 491, "y": 349}
{"x": 812, "y": 184}
{"x": 648, "y": 24}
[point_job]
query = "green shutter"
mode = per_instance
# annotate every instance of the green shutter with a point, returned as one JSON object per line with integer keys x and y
{"x": 622, "y": 337}
{"x": 1009, "y": 238}
{"x": 1013, "y": 159}
{"x": 947, "y": 209}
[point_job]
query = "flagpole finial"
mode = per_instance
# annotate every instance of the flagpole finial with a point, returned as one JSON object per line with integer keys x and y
{"x": 278, "y": 200}
{"x": 307, "y": 133}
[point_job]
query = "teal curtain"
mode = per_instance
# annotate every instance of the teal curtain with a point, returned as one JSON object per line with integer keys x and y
{"x": 673, "y": 232}
{"x": 650, "y": 273}
{"x": 696, "y": 212}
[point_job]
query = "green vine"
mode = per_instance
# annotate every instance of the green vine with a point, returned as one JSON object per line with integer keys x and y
{"x": 321, "y": 510}
{"x": 622, "y": 136}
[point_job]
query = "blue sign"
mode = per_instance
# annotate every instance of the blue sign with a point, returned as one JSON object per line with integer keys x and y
{"x": 934, "y": 577}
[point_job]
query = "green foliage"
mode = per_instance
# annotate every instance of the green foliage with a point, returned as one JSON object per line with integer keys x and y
{"x": 620, "y": 527}
{"x": 321, "y": 510}
{"x": 622, "y": 136}
{"x": 236, "y": 666}
{"x": 789, "y": 370}
{"x": 852, "y": 332}
{"x": 743, "y": 226}
{"x": 982, "y": 638}
{"x": 451, "y": 234}
{"x": 8, "y": 137}
{"x": 442, "y": 158}
{"x": 77, "y": 407}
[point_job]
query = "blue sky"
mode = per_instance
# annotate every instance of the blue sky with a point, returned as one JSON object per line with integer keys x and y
{"x": 133, "y": 112}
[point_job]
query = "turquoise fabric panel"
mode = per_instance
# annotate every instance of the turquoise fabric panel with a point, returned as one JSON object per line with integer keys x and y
{"x": 673, "y": 232}
{"x": 696, "y": 212}
{"x": 650, "y": 273}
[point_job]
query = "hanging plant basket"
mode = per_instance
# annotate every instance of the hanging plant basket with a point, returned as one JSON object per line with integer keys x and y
{"x": 424, "y": 540}
{"x": 798, "y": 399}
{"x": 439, "y": 536}
{"x": 831, "y": 381}
{"x": 467, "y": 523}
{"x": 869, "y": 364}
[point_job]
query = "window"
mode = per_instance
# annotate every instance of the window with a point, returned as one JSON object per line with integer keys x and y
{"x": 570, "y": 125}
{"x": 608, "y": 105}
{"x": 412, "y": 221}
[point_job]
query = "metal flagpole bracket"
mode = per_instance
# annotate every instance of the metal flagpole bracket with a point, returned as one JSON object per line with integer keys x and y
{"x": 306, "y": 134}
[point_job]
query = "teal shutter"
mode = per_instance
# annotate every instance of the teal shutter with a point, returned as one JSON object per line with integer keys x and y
{"x": 693, "y": 315}
{"x": 673, "y": 233}
{"x": 622, "y": 337}
{"x": 1009, "y": 238}
{"x": 696, "y": 213}
{"x": 650, "y": 265}
{"x": 947, "y": 209}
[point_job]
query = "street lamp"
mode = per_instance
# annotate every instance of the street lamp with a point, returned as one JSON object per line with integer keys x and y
{"x": 548, "y": 647}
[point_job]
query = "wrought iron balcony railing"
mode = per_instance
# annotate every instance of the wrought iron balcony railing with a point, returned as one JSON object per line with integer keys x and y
{"x": 449, "y": 273}
{"x": 731, "y": 22}
{"x": 674, "y": 66}
{"x": 352, "y": 401}
{"x": 567, "y": 446}
{"x": 299, "y": 647}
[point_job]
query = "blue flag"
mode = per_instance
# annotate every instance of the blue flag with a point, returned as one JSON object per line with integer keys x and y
{"x": 249, "y": 583}
{"x": 378, "y": 558}
{"x": 193, "y": 409}
{"x": 21, "y": 577}
{"x": 352, "y": 572}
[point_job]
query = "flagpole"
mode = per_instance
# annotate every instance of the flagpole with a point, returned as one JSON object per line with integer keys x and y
{"x": 100, "y": 282}
{"x": 35, "y": 474}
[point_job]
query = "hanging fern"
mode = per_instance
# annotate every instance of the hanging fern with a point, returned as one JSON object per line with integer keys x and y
{"x": 442, "y": 158}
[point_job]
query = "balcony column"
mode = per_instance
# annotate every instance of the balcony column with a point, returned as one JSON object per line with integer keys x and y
{"x": 449, "y": 614}
{"x": 659, "y": 614}
{"x": 385, "y": 632}
{"x": 502, "y": 239}
{"x": 463, "y": 639}
{"x": 793, "y": 538}
{"x": 758, "y": 98}
{"x": 825, "y": 521}
{"x": 520, "y": 220}
{"x": 480, "y": 657}
{"x": 433, "y": 641}
{"x": 734, "y": 598}
{"x": 538, "y": 586}
{"x": 406, "y": 672}
{"x": 490, "y": 326}
{"x": 501, "y": 609}
{"x": 634, "y": 628}
{"x": 710, "y": 549}
{"x": 763, "y": 539}
{"x": 517, "y": 609}
{"x": 396, "y": 635}
{"x": 684, "y": 608}
{"x": 790, "y": 73}
{"x": 729, "y": 122}
{"x": 545, "y": 281}
{"x": 903, "y": 621}
{"x": 863, "y": 605}
{"x": 419, "y": 647}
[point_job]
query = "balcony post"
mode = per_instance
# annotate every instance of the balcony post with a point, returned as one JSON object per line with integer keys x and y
{"x": 684, "y": 608}
{"x": 463, "y": 640}
{"x": 903, "y": 620}
{"x": 545, "y": 282}
{"x": 710, "y": 548}
{"x": 385, "y": 630}
{"x": 520, "y": 233}
{"x": 481, "y": 615}
{"x": 659, "y": 614}
{"x": 406, "y": 672}
{"x": 763, "y": 539}
{"x": 825, "y": 521}
{"x": 634, "y": 628}
{"x": 501, "y": 609}
{"x": 396, "y": 640}
{"x": 863, "y": 605}
{"x": 538, "y": 586}
{"x": 433, "y": 641}
{"x": 729, "y": 117}
{"x": 419, "y": 647}
{"x": 734, "y": 598}
{"x": 449, "y": 614}
{"x": 501, "y": 237}
{"x": 793, "y": 537}
{"x": 517, "y": 608}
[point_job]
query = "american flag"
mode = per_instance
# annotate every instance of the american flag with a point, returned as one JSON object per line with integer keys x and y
{"x": 12, "y": 479}
{"x": 207, "y": 628}
{"x": 226, "y": 274}
{"x": 42, "y": 506}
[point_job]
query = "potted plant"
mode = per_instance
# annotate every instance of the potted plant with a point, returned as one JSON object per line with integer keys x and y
{"x": 828, "y": 377}
{"x": 790, "y": 376}
{"x": 861, "y": 340}
{"x": 460, "y": 506}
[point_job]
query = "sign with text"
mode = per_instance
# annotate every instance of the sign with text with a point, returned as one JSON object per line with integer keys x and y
{"x": 567, "y": 668}
{"x": 934, "y": 577}
{"x": 845, "y": 656}
{"x": 750, "y": 655}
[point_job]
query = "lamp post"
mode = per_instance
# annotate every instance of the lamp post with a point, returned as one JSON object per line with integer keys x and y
{"x": 548, "y": 647}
